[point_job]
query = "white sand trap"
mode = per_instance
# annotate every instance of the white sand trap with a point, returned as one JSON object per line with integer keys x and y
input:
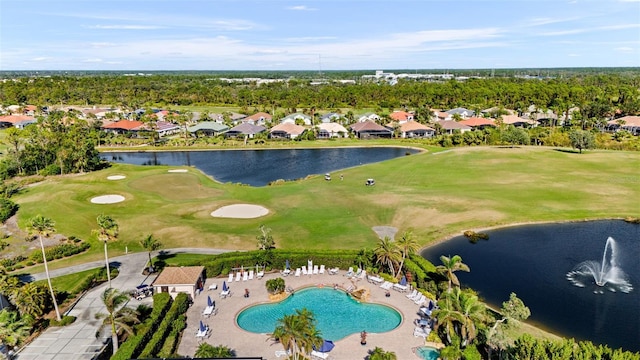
{"x": 178, "y": 170}
{"x": 107, "y": 199}
{"x": 240, "y": 211}
{"x": 385, "y": 231}
{"x": 116, "y": 177}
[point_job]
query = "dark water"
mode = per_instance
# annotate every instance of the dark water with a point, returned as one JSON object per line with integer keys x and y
{"x": 259, "y": 167}
{"x": 533, "y": 260}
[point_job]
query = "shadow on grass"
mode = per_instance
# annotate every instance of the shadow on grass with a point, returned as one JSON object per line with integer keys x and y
{"x": 569, "y": 151}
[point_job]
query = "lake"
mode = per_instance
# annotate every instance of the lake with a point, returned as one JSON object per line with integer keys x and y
{"x": 533, "y": 262}
{"x": 260, "y": 167}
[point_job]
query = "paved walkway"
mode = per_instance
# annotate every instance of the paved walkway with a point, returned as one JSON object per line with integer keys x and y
{"x": 78, "y": 341}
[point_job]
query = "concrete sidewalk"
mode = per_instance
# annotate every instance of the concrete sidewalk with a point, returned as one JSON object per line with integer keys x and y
{"x": 79, "y": 341}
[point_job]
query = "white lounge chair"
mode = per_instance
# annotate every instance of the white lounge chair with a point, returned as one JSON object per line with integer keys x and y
{"x": 285, "y": 272}
{"x": 245, "y": 277}
{"x": 250, "y": 274}
{"x": 363, "y": 275}
{"x": 224, "y": 294}
{"x": 319, "y": 355}
{"x": 421, "y": 332}
{"x": 260, "y": 274}
{"x": 334, "y": 271}
{"x": 297, "y": 272}
{"x": 213, "y": 287}
{"x": 420, "y": 299}
{"x": 386, "y": 285}
{"x": 280, "y": 353}
{"x": 315, "y": 269}
{"x": 358, "y": 273}
{"x": 349, "y": 272}
{"x": 209, "y": 310}
{"x": 238, "y": 276}
{"x": 230, "y": 278}
{"x": 202, "y": 333}
{"x": 400, "y": 288}
{"x": 413, "y": 295}
{"x": 321, "y": 271}
{"x": 304, "y": 270}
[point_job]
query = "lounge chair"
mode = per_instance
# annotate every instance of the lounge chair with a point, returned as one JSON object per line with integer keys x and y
{"x": 363, "y": 275}
{"x": 413, "y": 295}
{"x": 334, "y": 271}
{"x": 358, "y": 273}
{"x": 420, "y": 299}
{"x": 238, "y": 276}
{"x": 285, "y": 272}
{"x": 419, "y": 331}
{"x": 250, "y": 274}
{"x": 349, "y": 272}
{"x": 280, "y": 353}
{"x": 224, "y": 294}
{"x": 304, "y": 270}
{"x": 245, "y": 277}
{"x": 202, "y": 333}
{"x": 400, "y": 288}
{"x": 297, "y": 272}
{"x": 210, "y": 310}
{"x": 213, "y": 287}
{"x": 319, "y": 355}
{"x": 376, "y": 280}
{"x": 230, "y": 277}
{"x": 315, "y": 270}
{"x": 386, "y": 285}
{"x": 260, "y": 274}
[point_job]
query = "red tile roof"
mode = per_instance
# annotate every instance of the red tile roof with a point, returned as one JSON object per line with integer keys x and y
{"x": 124, "y": 125}
{"x": 184, "y": 275}
{"x": 258, "y": 116}
{"x": 626, "y": 121}
{"x": 413, "y": 125}
{"x": 400, "y": 115}
{"x": 475, "y": 121}
{"x": 15, "y": 118}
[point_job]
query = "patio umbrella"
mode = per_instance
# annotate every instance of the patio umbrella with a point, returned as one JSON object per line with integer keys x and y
{"x": 327, "y": 345}
{"x": 202, "y": 327}
{"x": 209, "y": 301}
{"x": 403, "y": 281}
{"x": 287, "y": 264}
{"x": 224, "y": 286}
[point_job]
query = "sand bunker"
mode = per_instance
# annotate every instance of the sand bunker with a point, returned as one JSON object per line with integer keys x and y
{"x": 107, "y": 199}
{"x": 385, "y": 231}
{"x": 240, "y": 211}
{"x": 178, "y": 170}
{"x": 116, "y": 177}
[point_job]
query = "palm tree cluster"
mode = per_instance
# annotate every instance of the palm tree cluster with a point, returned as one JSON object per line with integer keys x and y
{"x": 392, "y": 253}
{"x": 298, "y": 333}
{"x": 459, "y": 314}
{"x": 119, "y": 318}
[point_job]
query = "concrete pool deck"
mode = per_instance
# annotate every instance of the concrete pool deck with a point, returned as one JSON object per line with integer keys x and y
{"x": 224, "y": 330}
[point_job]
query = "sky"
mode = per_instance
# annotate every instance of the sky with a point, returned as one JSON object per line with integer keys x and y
{"x": 317, "y": 35}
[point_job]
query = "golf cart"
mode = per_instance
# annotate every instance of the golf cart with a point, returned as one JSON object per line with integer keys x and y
{"x": 142, "y": 291}
{"x": 370, "y": 182}
{"x": 327, "y": 177}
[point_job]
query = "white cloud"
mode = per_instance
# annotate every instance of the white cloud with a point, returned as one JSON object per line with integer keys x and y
{"x": 309, "y": 38}
{"x": 301, "y": 8}
{"x": 93, "y": 60}
{"x": 125, "y": 27}
{"x": 102, "y": 44}
{"x": 40, "y": 59}
{"x": 624, "y": 49}
{"x": 591, "y": 29}
{"x": 574, "y": 55}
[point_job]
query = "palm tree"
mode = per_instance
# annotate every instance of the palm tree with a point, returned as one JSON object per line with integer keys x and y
{"x": 447, "y": 316}
{"x": 387, "y": 253}
{"x": 298, "y": 333}
{"x": 379, "y": 353}
{"x": 451, "y": 265}
{"x": 30, "y": 299}
{"x": 407, "y": 245}
{"x": 150, "y": 244}
{"x": 119, "y": 318}
{"x": 209, "y": 351}
{"x": 108, "y": 231}
{"x": 43, "y": 226}
{"x": 286, "y": 332}
{"x": 13, "y": 328}
{"x": 473, "y": 313}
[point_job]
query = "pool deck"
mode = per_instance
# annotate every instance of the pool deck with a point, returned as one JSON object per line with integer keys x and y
{"x": 224, "y": 331}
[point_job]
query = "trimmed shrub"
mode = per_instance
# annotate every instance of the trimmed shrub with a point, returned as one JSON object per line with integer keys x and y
{"x": 179, "y": 307}
{"x": 66, "y": 320}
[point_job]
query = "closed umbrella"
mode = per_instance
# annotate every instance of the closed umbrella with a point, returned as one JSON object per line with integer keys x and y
{"x": 224, "y": 286}
{"x": 327, "y": 345}
{"x": 202, "y": 327}
{"x": 287, "y": 266}
{"x": 209, "y": 301}
{"x": 403, "y": 281}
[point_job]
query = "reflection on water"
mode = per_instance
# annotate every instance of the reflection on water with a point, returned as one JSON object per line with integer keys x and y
{"x": 534, "y": 261}
{"x": 260, "y": 167}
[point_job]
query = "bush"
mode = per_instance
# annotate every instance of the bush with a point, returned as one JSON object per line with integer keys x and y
{"x": 275, "y": 286}
{"x": 66, "y": 320}
{"x": 7, "y": 209}
{"x": 179, "y": 307}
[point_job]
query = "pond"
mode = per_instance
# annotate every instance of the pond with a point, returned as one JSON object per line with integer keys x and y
{"x": 260, "y": 167}
{"x": 533, "y": 261}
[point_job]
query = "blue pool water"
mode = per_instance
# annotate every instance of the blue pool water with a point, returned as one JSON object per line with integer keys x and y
{"x": 338, "y": 314}
{"x": 427, "y": 353}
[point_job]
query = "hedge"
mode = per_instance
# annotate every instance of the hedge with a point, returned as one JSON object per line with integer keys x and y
{"x": 59, "y": 251}
{"x": 179, "y": 307}
{"x": 131, "y": 348}
{"x": 169, "y": 347}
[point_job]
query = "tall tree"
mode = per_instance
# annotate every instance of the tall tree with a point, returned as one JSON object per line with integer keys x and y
{"x": 387, "y": 254}
{"x": 298, "y": 333}
{"x": 407, "y": 245}
{"x": 13, "y": 327}
{"x": 108, "y": 230}
{"x": 30, "y": 299}
{"x": 513, "y": 309}
{"x": 265, "y": 239}
{"x": 449, "y": 266}
{"x": 43, "y": 227}
{"x": 118, "y": 317}
{"x": 150, "y": 244}
{"x": 582, "y": 139}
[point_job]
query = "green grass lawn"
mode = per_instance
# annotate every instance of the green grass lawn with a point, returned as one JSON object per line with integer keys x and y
{"x": 435, "y": 195}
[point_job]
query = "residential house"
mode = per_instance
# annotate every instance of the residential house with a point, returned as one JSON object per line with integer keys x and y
{"x": 330, "y": 117}
{"x": 462, "y": 112}
{"x": 517, "y": 121}
{"x": 369, "y": 130}
{"x": 164, "y": 128}
{"x": 260, "y": 118}
{"x": 368, "y": 116}
{"x": 450, "y": 127}
{"x": 478, "y": 123}
{"x": 296, "y": 118}
{"x": 124, "y": 126}
{"x": 236, "y": 117}
{"x": 183, "y": 279}
{"x": 18, "y": 121}
{"x": 414, "y": 129}
{"x": 629, "y": 123}
{"x": 286, "y": 130}
{"x": 401, "y": 117}
{"x": 245, "y": 130}
{"x": 441, "y": 115}
{"x": 493, "y": 111}
{"x": 331, "y": 130}
{"x": 207, "y": 128}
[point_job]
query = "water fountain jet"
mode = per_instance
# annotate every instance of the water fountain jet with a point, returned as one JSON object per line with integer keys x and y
{"x": 606, "y": 274}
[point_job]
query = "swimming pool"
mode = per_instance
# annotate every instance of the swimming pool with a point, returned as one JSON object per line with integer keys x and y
{"x": 338, "y": 314}
{"x": 427, "y": 353}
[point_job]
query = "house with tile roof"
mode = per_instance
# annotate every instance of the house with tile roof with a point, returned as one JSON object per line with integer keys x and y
{"x": 450, "y": 126}
{"x": 629, "y": 123}
{"x": 368, "y": 116}
{"x": 245, "y": 130}
{"x": 18, "y": 121}
{"x": 517, "y": 121}
{"x": 331, "y": 130}
{"x": 260, "y": 118}
{"x": 478, "y": 123}
{"x": 286, "y": 130}
{"x": 330, "y": 117}
{"x": 370, "y": 130}
{"x": 124, "y": 126}
{"x": 183, "y": 279}
{"x": 441, "y": 115}
{"x": 207, "y": 128}
{"x": 296, "y": 117}
{"x": 164, "y": 128}
{"x": 464, "y": 113}
{"x": 401, "y": 117}
{"x": 414, "y": 129}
